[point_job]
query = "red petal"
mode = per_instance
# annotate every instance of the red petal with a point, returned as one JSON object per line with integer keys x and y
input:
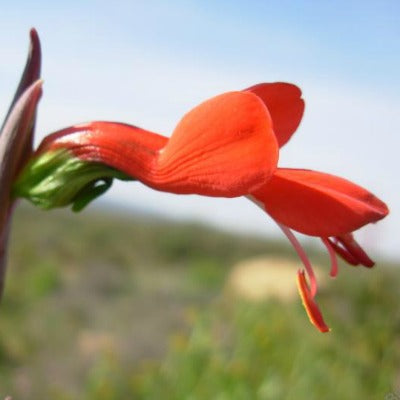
{"x": 285, "y": 105}
{"x": 313, "y": 312}
{"x": 223, "y": 147}
{"x": 318, "y": 204}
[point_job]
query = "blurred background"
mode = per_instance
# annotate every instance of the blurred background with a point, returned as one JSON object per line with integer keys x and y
{"x": 146, "y": 295}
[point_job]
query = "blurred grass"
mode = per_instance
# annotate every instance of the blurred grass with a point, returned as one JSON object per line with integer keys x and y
{"x": 102, "y": 306}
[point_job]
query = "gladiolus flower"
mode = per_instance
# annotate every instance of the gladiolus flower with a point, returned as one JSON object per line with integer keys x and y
{"x": 227, "y": 147}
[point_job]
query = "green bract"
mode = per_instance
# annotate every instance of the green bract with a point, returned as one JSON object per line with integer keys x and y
{"x": 58, "y": 179}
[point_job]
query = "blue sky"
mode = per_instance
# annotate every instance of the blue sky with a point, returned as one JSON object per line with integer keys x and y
{"x": 147, "y": 63}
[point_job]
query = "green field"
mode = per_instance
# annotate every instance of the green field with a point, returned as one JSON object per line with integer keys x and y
{"x": 103, "y": 306}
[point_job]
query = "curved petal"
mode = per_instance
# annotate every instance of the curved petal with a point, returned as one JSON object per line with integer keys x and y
{"x": 318, "y": 204}
{"x": 285, "y": 105}
{"x": 223, "y": 147}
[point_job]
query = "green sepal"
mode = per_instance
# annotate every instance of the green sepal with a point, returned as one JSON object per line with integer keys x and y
{"x": 57, "y": 178}
{"x": 90, "y": 192}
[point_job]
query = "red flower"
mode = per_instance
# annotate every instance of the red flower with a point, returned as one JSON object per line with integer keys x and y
{"x": 227, "y": 146}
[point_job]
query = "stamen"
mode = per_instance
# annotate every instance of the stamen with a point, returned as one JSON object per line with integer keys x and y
{"x": 332, "y": 255}
{"x": 311, "y": 307}
{"x": 350, "y": 244}
{"x": 303, "y": 256}
{"x": 343, "y": 253}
